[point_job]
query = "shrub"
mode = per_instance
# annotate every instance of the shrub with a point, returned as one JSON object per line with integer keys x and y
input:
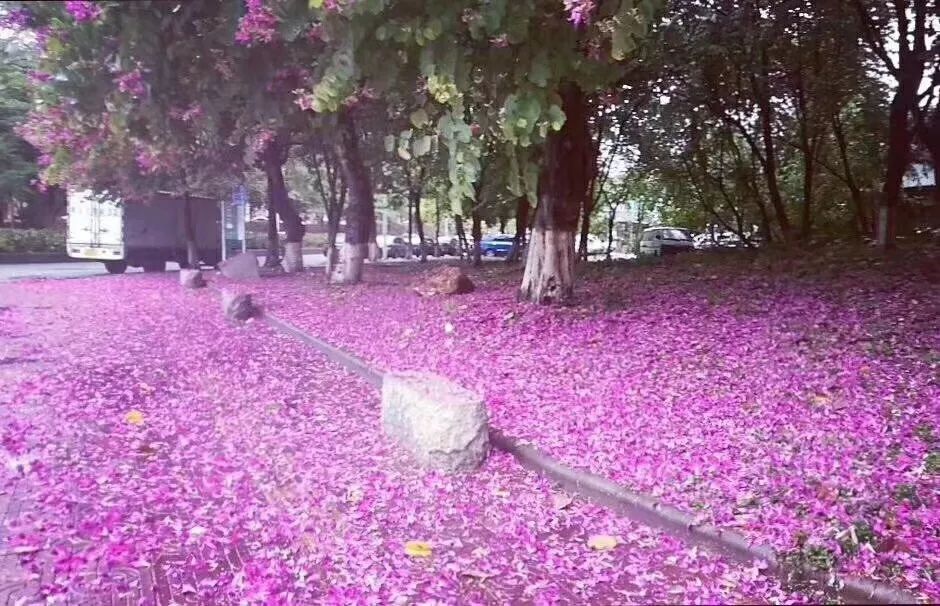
{"x": 31, "y": 240}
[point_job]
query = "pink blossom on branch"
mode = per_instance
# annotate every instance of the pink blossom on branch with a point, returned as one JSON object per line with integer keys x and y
{"x": 15, "y": 19}
{"x": 580, "y": 11}
{"x": 259, "y": 25}
{"x": 132, "y": 83}
{"x": 83, "y": 10}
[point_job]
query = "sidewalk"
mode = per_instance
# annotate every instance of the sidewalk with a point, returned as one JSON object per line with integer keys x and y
{"x": 176, "y": 457}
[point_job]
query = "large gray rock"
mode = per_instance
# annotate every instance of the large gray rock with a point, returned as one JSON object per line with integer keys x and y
{"x": 191, "y": 278}
{"x": 243, "y": 266}
{"x": 446, "y": 280}
{"x": 238, "y": 306}
{"x": 444, "y": 426}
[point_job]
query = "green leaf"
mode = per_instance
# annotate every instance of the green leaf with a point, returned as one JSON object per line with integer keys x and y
{"x": 433, "y": 29}
{"x": 419, "y": 118}
{"x": 404, "y": 154}
{"x": 556, "y": 117}
{"x": 539, "y": 71}
{"x": 315, "y": 4}
{"x": 421, "y": 146}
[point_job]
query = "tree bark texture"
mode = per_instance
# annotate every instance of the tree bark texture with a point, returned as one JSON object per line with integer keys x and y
{"x": 476, "y": 230}
{"x": 522, "y": 224}
{"x": 563, "y": 186}
{"x": 360, "y": 204}
{"x": 274, "y": 158}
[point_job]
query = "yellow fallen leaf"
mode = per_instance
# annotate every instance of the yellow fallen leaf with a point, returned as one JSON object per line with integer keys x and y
{"x": 602, "y": 542}
{"x": 418, "y": 549}
{"x": 135, "y": 417}
{"x": 499, "y": 492}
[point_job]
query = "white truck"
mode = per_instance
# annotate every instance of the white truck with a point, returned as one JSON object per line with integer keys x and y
{"x": 144, "y": 233}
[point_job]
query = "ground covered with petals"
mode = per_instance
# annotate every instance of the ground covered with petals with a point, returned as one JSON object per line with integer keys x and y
{"x": 162, "y": 455}
{"x": 793, "y": 398}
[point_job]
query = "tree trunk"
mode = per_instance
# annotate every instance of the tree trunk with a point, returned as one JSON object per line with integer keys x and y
{"x": 274, "y": 158}
{"x": 586, "y": 212}
{"x": 476, "y": 230}
{"x": 912, "y": 54}
{"x": 769, "y": 163}
{"x": 273, "y": 256}
{"x": 861, "y": 216}
{"x": 563, "y": 186}
{"x": 408, "y": 246}
{"x": 462, "y": 245}
{"x": 899, "y": 145}
{"x": 610, "y": 230}
{"x": 192, "y": 251}
{"x": 502, "y": 224}
{"x": 522, "y": 223}
{"x": 419, "y": 225}
{"x": 360, "y": 207}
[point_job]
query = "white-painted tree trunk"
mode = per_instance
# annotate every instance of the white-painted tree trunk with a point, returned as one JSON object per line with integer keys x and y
{"x": 293, "y": 257}
{"x": 549, "y": 268}
{"x": 354, "y": 256}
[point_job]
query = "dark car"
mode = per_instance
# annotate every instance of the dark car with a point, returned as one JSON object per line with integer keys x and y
{"x": 496, "y": 246}
{"x": 448, "y": 246}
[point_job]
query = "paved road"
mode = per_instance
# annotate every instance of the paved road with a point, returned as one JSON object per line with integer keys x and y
{"x": 82, "y": 269}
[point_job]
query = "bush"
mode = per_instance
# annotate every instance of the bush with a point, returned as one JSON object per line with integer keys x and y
{"x": 31, "y": 240}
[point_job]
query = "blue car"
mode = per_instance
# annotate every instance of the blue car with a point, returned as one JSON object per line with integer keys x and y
{"x": 496, "y": 246}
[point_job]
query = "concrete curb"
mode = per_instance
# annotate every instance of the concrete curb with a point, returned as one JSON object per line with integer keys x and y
{"x": 642, "y": 508}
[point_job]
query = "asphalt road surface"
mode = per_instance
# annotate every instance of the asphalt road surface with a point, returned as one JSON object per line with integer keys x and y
{"x": 84, "y": 269}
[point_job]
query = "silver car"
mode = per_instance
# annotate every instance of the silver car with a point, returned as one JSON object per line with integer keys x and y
{"x": 658, "y": 241}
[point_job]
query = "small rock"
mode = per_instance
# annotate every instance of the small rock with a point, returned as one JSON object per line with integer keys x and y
{"x": 238, "y": 306}
{"x": 243, "y": 266}
{"x": 191, "y": 278}
{"x": 447, "y": 280}
{"x": 443, "y": 425}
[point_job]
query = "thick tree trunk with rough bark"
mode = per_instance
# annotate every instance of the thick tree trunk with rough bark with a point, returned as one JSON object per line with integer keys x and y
{"x": 273, "y": 256}
{"x": 899, "y": 146}
{"x": 563, "y": 186}
{"x": 360, "y": 205}
{"x": 274, "y": 158}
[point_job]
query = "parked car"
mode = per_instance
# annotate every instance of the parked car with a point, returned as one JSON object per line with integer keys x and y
{"x": 596, "y": 245}
{"x": 496, "y": 246}
{"x": 448, "y": 245}
{"x": 660, "y": 241}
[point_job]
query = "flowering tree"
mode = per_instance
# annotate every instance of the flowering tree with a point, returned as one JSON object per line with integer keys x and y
{"x": 536, "y": 59}
{"x": 149, "y": 95}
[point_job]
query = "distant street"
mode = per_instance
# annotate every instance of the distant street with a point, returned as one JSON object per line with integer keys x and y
{"x": 82, "y": 269}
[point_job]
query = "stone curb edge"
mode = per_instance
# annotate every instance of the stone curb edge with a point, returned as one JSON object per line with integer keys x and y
{"x": 636, "y": 506}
